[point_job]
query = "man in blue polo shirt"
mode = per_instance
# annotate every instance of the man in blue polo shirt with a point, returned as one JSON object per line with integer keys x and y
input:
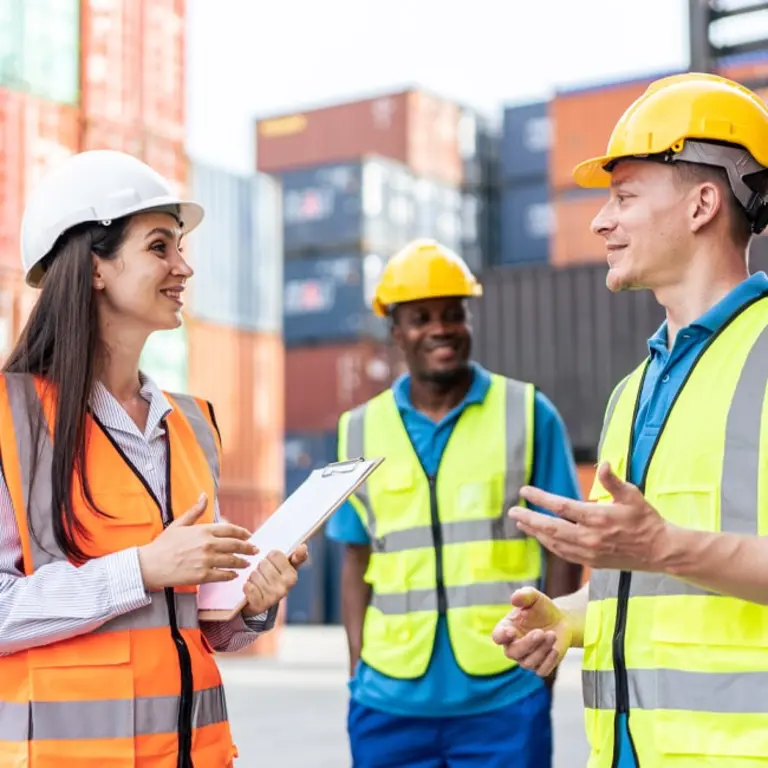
{"x": 460, "y": 706}
{"x": 674, "y": 622}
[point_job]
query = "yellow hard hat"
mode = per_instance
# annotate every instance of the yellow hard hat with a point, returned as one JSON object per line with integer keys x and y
{"x": 673, "y": 109}
{"x": 424, "y": 269}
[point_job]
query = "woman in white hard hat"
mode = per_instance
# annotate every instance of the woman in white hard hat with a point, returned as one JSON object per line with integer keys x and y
{"x": 110, "y": 524}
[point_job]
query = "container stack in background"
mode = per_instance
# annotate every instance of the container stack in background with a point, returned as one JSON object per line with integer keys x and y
{"x": 359, "y": 180}
{"x": 526, "y": 222}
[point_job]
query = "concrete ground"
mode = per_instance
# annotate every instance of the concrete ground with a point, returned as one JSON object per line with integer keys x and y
{"x": 291, "y": 711}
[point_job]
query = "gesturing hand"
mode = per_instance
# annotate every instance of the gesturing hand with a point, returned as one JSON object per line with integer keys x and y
{"x": 628, "y": 534}
{"x": 272, "y": 579}
{"x": 535, "y": 633}
{"x": 189, "y": 554}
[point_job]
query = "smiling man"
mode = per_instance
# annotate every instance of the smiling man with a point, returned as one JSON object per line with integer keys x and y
{"x": 674, "y": 623}
{"x": 430, "y": 551}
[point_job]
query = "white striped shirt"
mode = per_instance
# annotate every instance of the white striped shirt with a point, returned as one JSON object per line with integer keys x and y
{"x": 60, "y": 600}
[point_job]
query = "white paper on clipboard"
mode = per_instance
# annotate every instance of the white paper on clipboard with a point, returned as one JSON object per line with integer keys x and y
{"x": 292, "y": 523}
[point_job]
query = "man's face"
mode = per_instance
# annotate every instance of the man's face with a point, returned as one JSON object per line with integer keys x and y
{"x": 436, "y": 338}
{"x": 645, "y": 225}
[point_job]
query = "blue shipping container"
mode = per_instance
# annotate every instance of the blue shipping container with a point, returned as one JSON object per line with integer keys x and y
{"x": 306, "y": 602}
{"x": 237, "y": 250}
{"x": 328, "y": 298}
{"x": 527, "y": 223}
{"x": 525, "y": 143}
{"x": 365, "y": 205}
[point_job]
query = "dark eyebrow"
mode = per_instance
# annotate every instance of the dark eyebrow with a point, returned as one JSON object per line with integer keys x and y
{"x": 169, "y": 233}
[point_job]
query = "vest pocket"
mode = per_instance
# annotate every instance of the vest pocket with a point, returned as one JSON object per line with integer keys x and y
{"x": 82, "y": 695}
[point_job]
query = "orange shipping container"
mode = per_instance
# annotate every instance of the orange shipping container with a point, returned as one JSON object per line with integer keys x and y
{"x": 323, "y": 382}
{"x": 51, "y": 135}
{"x": 103, "y": 134}
{"x": 583, "y": 122}
{"x": 110, "y": 60}
{"x": 11, "y": 175}
{"x": 241, "y": 373}
{"x": 162, "y": 67}
{"x": 415, "y": 128}
{"x": 573, "y": 241}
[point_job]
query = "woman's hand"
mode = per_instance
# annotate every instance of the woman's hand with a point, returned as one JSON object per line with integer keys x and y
{"x": 272, "y": 580}
{"x": 187, "y": 554}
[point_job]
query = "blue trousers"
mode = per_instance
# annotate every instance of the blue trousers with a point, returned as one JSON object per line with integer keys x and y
{"x": 517, "y": 736}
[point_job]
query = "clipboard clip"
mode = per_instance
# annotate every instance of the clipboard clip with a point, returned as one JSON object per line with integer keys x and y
{"x": 339, "y": 467}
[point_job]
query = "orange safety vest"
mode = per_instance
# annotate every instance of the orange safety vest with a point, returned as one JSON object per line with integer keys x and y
{"x": 143, "y": 689}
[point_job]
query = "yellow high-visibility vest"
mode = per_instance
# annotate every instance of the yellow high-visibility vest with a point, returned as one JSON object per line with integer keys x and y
{"x": 444, "y": 544}
{"x": 690, "y": 667}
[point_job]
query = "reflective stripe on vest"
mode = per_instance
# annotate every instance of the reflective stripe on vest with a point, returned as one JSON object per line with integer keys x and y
{"x": 483, "y": 556}
{"x": 694, "y": 659}
{"x": 112, "y": 695}
{"x": 107, "y": 718}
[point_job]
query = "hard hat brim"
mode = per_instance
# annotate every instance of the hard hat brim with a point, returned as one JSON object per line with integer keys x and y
{"x": 190, "y": 213}
{"x": 591, "y": 174}
{"x": 381, "y": 311}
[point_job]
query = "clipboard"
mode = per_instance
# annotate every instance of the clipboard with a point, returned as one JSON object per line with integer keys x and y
{"x": 296, "y": 520}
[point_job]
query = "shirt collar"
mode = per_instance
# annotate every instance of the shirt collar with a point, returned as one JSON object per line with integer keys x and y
{"x": 478, "y": 389}
{"x": 715, "y": 317}
{"x": 113, "y": 416}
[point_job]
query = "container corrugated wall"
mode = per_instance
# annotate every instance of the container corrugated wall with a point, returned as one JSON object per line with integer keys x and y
{"x": 237, "y": 251}
{"x": 413, "y": 127}
{"x": 242, "y": 374}
{"x": 527, "y": 223}
{"x": 526, "y": 142}
{"x": 111, "y": 63}
{"x": 323, "y": 382}
{"x": 568, "y": 334}
{"x": 328, "y": 298}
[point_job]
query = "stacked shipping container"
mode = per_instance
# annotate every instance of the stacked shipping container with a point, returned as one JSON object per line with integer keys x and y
{"x": 359, "y": 181}
{"x": 526, "y": 221}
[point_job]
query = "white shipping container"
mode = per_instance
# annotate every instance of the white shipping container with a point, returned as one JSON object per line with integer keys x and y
{"x": 237, "y": 251}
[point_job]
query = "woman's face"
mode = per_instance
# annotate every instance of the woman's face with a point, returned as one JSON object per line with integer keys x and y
{"x": 144, "y": 284}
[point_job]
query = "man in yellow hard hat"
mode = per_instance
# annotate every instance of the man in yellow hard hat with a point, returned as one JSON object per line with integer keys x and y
{"x": 430, "y": 552}
{"x": 674, "y": 624}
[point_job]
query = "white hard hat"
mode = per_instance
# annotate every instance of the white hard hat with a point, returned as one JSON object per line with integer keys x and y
{"x": 98, "y": 185}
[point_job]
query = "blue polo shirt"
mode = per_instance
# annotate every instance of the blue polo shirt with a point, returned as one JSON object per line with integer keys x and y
{"x": 667, "y": 370}
{"x": 445, "y": 690}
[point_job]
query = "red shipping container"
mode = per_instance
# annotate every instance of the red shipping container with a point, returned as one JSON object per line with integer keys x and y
{"x": 51, "y": 135}
{"x": 323, "y": 382}
{"x": 574, "y": 241}
{"x": 111, "y": 60}
{"x": 249, "y": 508}
{"x": 169, "y": 159}
{"x": 241, "y": 373}
{"x": 414, "y": 128}
{"x": 11, "y": 176}
{"x": 163, "y": 67}
{"x": 583, "y": 122}
{"x": 103, "y": 134}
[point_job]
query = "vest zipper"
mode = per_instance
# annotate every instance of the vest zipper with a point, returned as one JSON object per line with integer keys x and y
{"x": 437, "y": 537}
{"x": 185, "y": 661}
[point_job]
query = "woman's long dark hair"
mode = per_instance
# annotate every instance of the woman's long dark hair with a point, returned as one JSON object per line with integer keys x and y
{"x": 61, "y": 344}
